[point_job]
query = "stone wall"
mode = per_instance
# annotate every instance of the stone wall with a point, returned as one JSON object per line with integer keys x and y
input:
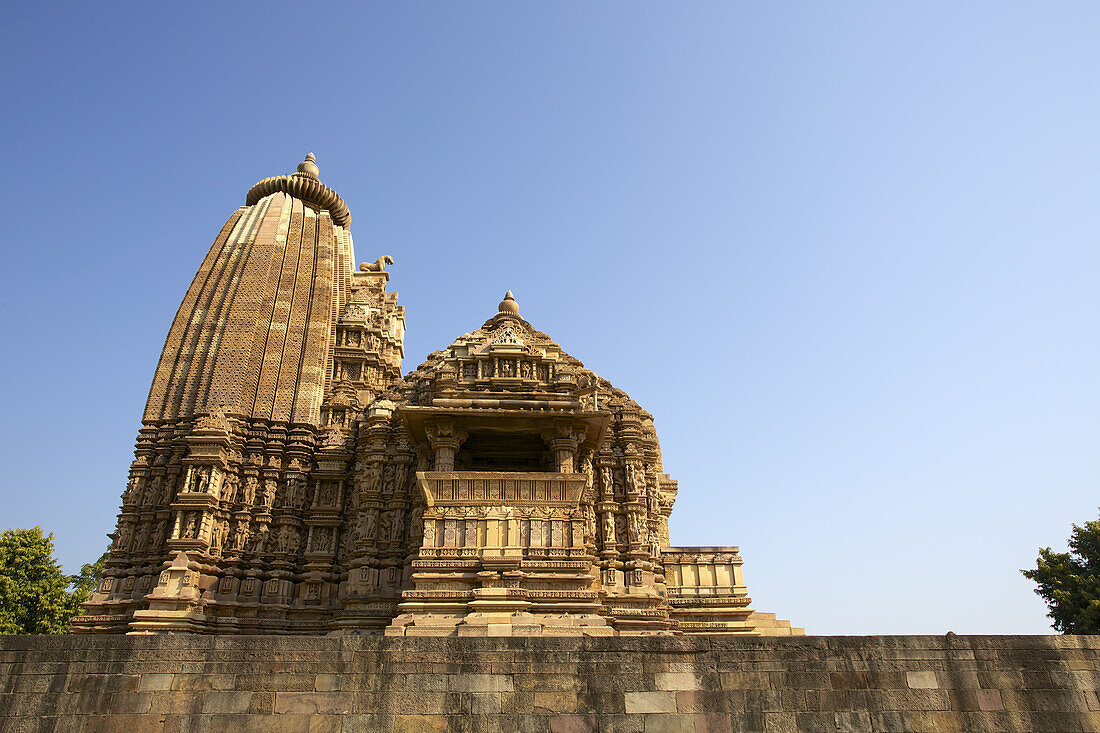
{"x": 295, "y": 683}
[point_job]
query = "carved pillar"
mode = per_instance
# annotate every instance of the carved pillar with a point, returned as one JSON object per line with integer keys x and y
{"x": 445, "y": 439}
{"x": 563, "y": 440}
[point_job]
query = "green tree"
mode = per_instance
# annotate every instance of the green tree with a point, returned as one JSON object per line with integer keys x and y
{"x": 34, "y": 595}
{"x": 87, "y": 579}
{"x": 1070, "y": 581}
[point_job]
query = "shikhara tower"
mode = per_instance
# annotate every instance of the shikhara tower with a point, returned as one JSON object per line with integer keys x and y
{"x": 288, "y": 479}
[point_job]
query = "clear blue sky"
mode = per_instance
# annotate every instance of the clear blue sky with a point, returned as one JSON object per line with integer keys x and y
{"x": 846, "y": 253}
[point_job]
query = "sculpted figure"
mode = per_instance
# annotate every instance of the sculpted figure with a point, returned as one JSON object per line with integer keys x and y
{"x": 152, "y": 496}
{"x": 378, "y": 265}
{"x": 202, "y": 479}
{"x": 374, "y": 477}
{"x": 370, "y": 522}
{"x": 229, "y": 487}
{"x": 240, "y": 535}
{"x": 401, "y": 476}
{"x": 131, "y": 492}
{"x": 397, "y": 525}
{"x": 606, "y": 481}
{"x": 251, "y": 483}
{"x": 142, "y": 538}
{"x": 589, "y": 522}
{"x": 269, "y": 492}
{"x": 295, "y": 491}
{"x": 608, "y": 528}
{"x": 216, "y": 538}
{"x": 158, "y": 535}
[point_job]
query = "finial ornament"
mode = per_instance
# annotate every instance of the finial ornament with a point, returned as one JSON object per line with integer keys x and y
{"x": 509, "y": 305}
{"x": 306, "y": 185}
{"x": 308, "y": 167}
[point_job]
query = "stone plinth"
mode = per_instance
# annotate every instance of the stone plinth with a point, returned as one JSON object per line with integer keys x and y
{"x": 891, "y": 684}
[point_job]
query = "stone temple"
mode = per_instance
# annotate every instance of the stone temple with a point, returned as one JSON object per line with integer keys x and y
{"x": 288, "y": 479}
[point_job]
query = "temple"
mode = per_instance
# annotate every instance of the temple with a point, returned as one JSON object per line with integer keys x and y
{"x": 288, "y": 479}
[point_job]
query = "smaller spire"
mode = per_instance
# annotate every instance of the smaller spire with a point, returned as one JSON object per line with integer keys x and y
{"x": 308, "y": 167}
{"x": 508, "y": 305}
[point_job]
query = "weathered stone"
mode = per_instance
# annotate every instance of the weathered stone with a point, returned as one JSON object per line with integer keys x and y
{"x": 288, "y": 479}
{"x": 650, "y": 702}
{"x": 313, "y": 703}
{"x": 419, "y": 724}
{"x": 573, "y": 724}
{"x": 922, "y": 680}
{"x": 226, "y": 702}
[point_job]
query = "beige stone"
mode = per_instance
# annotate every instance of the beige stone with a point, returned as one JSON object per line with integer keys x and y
{"x": 922, "y": 680}
{"x": 289, "y": 479}
{"x": 650, "y": 702}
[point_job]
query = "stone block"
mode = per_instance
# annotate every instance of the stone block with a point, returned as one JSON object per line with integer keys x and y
{"x": 573, "y": 724}
{"x": 676, "y": 681}
{"x": 615, "y": 683}
{"x": 481, "y": 683}
{"x": 328, "y": 682}
{"x": 922, "y": 680}
{"x": 989, "y": 700}
{"x": 156, "y": 681}
{"x": 549, "y": 682}
{"x": 176, "y": 702}
{"x": 313, "y": 703}
{"x": 192, "y": 681}
{"x": 409, "y": 703}
{"x": 131, "y": 702}
{"x": 851, "y": 722}
{"x": 650, "y": 702}
{"x": 484, "y": 703}
{"x": 221, "y": 701}
{"x": 276, "y": 682}
{"x": 262, "y": 703}
{"x": 712, "y": 723}
{"x": 419, "y": 724}
{"x": 247, "y": 724}
{"x": 325, "y": 724}
{"x": 372, "y": 723}
{"x": 669, "y": 723}
{"x": 780, "y": 723}
{"x": 622, "y": 724}
{"x": 555, "y": 702}
{"x": 127, "y": 723}
{"x": 707, "y": 701}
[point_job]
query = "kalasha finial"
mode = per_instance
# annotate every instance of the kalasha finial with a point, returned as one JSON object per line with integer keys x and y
{"x": 509, "y": 305}
{"x": 308, "y": 167}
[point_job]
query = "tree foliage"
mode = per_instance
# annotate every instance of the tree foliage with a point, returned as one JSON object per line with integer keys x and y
{"x": 34, "y": 593}
{"x": 1070, "y": 581}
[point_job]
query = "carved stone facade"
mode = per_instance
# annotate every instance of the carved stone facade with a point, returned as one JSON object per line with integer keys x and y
{"x": 288, "y": 479}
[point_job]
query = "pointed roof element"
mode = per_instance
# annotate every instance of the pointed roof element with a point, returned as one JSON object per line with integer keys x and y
{"x": 305, "y": 185}
{"x": 508, "y": 305}
{"x": 308, "y": 167}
